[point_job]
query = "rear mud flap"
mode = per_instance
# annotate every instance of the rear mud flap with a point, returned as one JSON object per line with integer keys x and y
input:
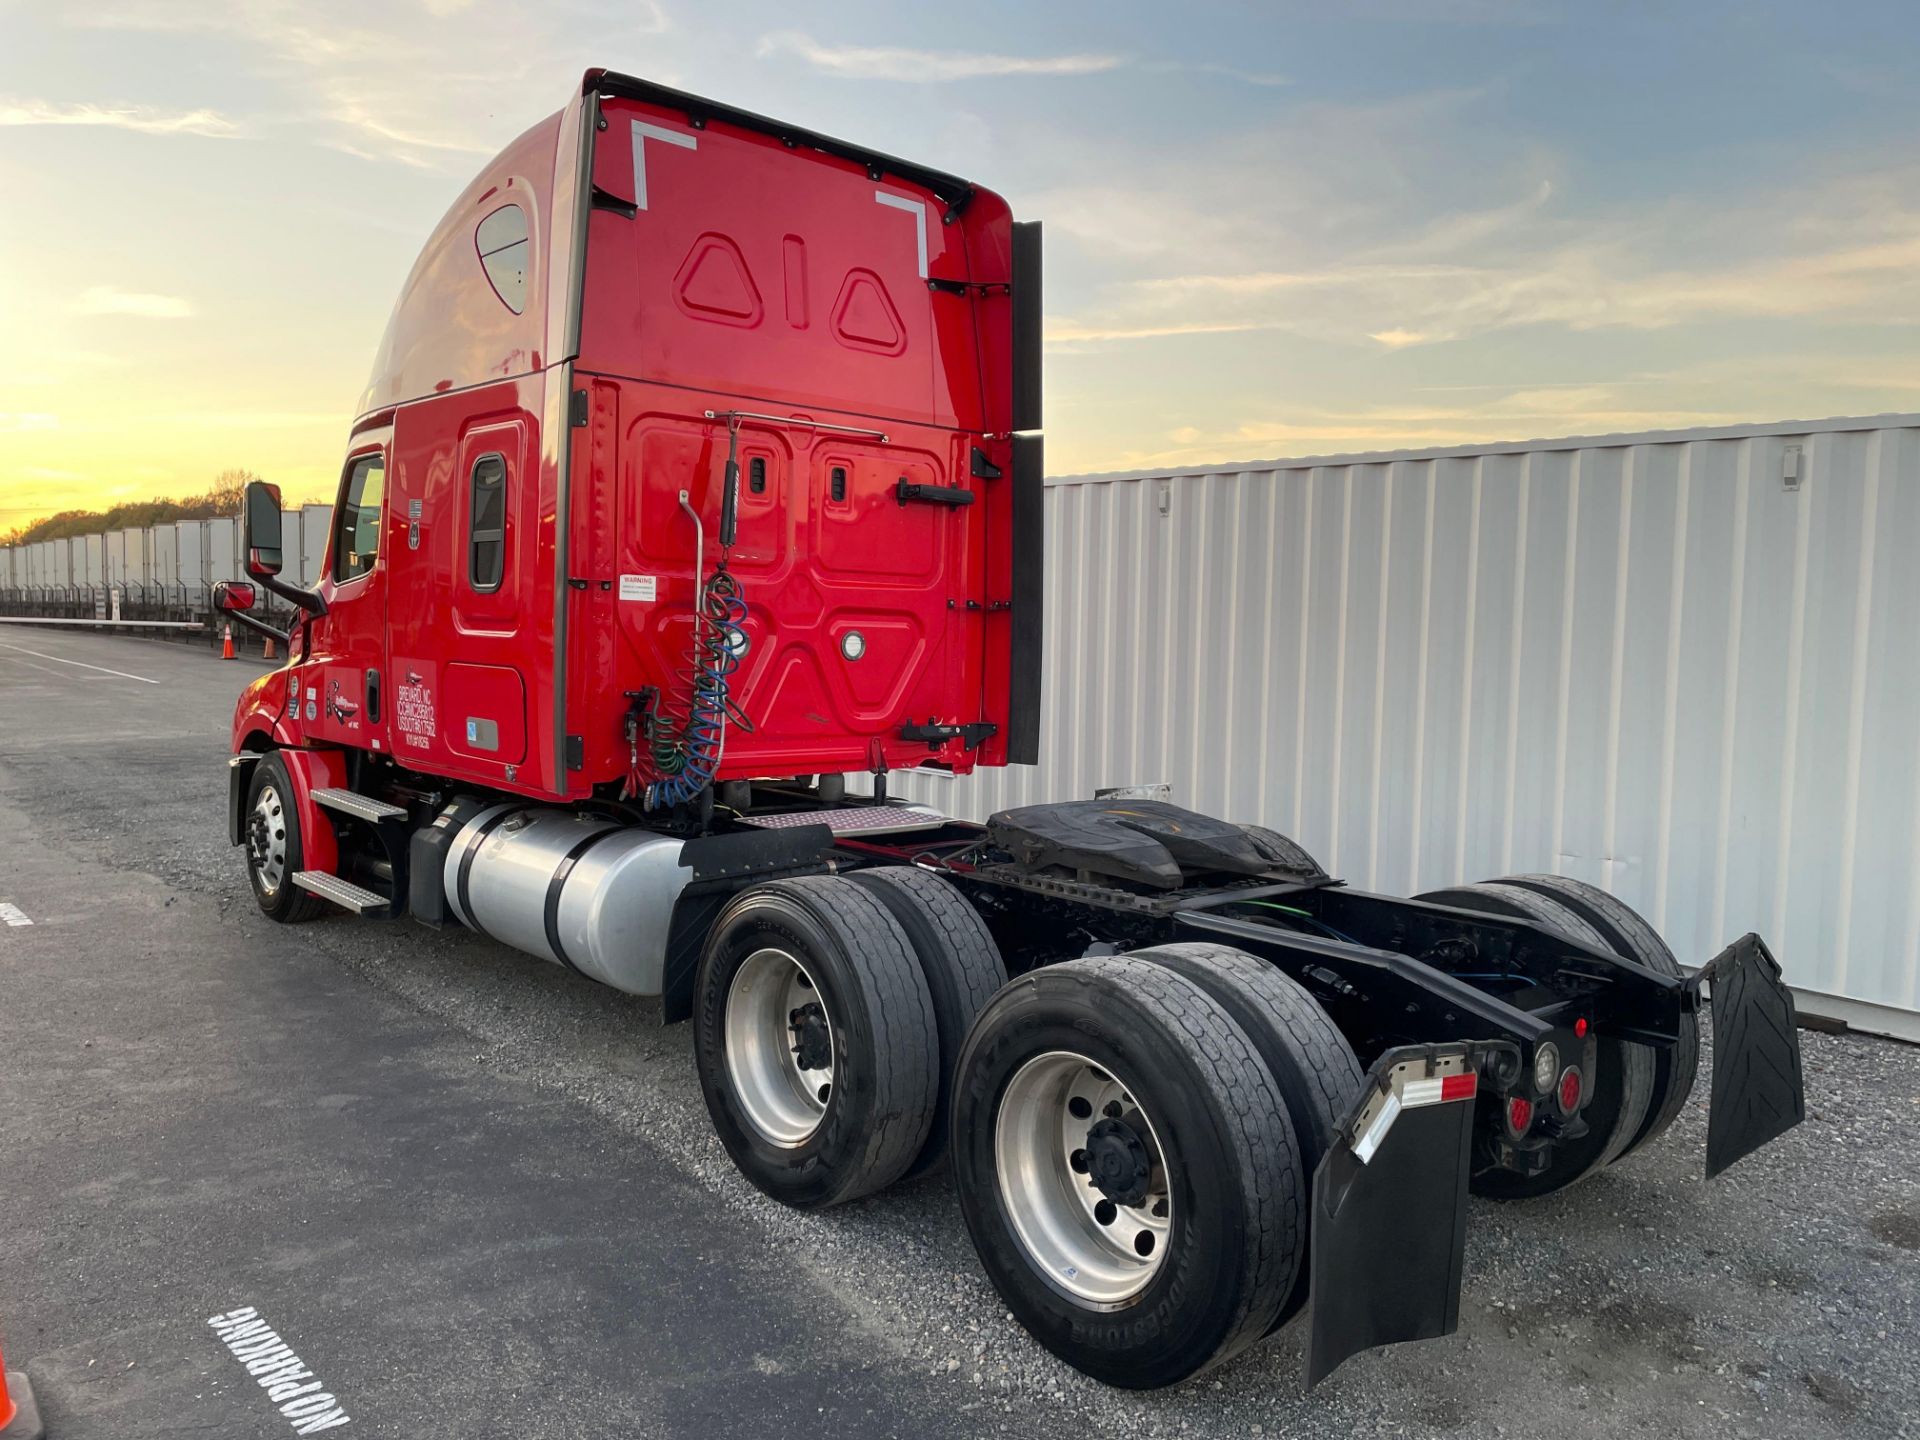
{"x": 1389, "y": 1223}
{"x": 1757, "y": 1090}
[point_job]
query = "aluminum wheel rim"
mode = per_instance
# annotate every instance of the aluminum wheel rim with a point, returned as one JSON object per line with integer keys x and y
{"x": 267, "y": 838}
{"x": 1100, "y": 1253}
{"x": 769, "y": 1006}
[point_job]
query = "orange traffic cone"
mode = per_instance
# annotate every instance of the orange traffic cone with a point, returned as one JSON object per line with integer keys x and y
{"x": 267, "y": 652}
{"x": 19, "y": 1416}
{"x": 226, "y": 645}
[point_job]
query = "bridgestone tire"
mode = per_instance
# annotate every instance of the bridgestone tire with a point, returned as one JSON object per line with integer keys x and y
{"x": 1315, "y": 1068}
{"x": 1626, "y": 933}
{"x": 961, "y": 965}
{"x": 286, "y": 903}
{"x": 1622, "y": 1085}
{"x": 886, "y": 1052}
{"x": 1231, "y": 1167}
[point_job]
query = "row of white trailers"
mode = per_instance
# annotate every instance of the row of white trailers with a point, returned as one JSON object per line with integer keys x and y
{"x": 176, "y": 563}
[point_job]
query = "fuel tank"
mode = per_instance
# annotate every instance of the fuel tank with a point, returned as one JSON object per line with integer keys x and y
{"x": 579, "y": 890}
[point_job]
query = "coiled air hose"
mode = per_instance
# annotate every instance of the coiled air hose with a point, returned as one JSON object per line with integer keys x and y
{"x": 686, "y": 755}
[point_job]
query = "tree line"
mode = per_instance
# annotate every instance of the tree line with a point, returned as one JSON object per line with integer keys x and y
{"x": 221, "y": 498}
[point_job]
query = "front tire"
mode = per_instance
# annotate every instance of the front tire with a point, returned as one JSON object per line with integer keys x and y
{"x": 1126, "y": 1170}
{"x": 275, "y": 847}
{"x": 815, "y": 1041}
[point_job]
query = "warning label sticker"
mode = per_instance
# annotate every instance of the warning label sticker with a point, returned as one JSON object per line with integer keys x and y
{"x": 637, "y": 587}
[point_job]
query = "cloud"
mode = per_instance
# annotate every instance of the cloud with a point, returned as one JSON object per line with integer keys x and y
{"x": 933, "y": 67}
{"x": 210, "y": 124}
{"x": 926, "y": 66}
{"x": 14, "y": 422}
{"x": 349, "y": 80}
{"x": 1856, "y": 260}
{"x": 106, "y": 300}
{"x": 1071, "y": 333}
{"x": 1517, "y": 415}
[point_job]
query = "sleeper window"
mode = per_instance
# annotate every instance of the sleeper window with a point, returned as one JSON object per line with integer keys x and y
{"x": 501, "y": 240}
{"x": 356, "y": 540}
{"x": 487, "y": 523}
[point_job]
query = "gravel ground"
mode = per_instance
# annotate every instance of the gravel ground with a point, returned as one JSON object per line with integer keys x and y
{"x": 1778, "y": 1300}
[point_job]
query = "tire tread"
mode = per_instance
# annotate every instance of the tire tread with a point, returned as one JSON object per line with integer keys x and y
{"x": 959, "y": 961}
{"x": 1248, "y": 1097}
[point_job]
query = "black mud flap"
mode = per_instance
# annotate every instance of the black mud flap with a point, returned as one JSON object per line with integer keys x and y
{"x": 239, "y": 781}
{"x": 1389, "y": 1216}
{"x": 1757, "y": 1090}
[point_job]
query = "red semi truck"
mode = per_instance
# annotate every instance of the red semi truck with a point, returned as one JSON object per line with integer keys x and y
{"x": 701, "y": 469}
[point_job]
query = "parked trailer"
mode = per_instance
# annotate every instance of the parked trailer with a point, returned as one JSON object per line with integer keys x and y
{"x": 314, "y": 523}
{"x": 1189, "y": 1084}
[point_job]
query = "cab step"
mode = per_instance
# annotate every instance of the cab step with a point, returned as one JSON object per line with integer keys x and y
{"x": 344, "y": 893}
{"x": 362, "y": 807}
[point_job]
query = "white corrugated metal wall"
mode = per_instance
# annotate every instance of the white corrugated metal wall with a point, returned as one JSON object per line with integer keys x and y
{"x": 1650, "y": 662}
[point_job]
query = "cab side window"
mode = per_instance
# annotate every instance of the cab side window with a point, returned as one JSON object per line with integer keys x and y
{"x": 356, "y": 538}
{"x": 487, "y": 523}
{"x": 501, "y": 240}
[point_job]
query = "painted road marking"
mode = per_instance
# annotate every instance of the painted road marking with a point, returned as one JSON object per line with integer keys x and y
{"x": 81, "y": 663}
{"x": 13, "y": 914}
{"x": 281, "y": 1373}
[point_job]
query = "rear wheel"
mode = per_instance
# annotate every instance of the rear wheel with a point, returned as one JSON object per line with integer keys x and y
{"x": 274, "y": 845}
{"x": 1126, "y": 1170}
{"x": 1626, "y": 933}
{"x": 1621, "y": 1087}
{"x": 1318, "y": 1076}
{"x": 815, "y": 1041}
{"x": 961, "y": 965}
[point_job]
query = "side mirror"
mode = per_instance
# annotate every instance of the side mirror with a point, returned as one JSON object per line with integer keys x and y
{"x": 262, "y": 529}
{"x": 233, "y": 595}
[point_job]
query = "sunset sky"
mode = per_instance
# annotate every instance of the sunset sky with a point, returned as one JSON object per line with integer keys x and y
{"x": 1273, "y": 229}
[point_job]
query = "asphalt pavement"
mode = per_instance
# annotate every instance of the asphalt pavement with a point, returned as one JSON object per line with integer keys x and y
{"x": 465, "y": 1193}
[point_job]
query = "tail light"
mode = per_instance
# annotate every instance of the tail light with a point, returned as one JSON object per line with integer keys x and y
{"x": 1570, "y": 1090}
{"x": 1519, "y": 1114}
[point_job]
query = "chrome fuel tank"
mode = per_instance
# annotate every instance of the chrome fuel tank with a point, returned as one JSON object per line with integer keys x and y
{"x": 579, "y": 890}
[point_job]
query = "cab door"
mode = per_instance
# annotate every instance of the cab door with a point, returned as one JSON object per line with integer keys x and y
{"x": 460, "y": 585}
{"x": 343, "y": 688}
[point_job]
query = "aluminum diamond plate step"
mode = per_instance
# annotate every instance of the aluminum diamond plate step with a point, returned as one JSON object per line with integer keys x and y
{"x": 363, "y": 807}
{"x": 855, "y": 819}
{"x": 344, "y": 893}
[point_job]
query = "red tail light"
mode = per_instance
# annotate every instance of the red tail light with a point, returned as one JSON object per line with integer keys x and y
{"x": 1570, "y": 1090}
{"x": 1519, "y": 1114}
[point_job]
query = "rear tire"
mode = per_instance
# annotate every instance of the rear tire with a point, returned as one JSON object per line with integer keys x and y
{"x": 1190, "y": 1120}
{"x": 275, "y": 847}
{"x": 961, "y": 965}
{"x": 1622, "y": 1082}
{"x": 1317, "y": 1073}
{"x": 815, "y": 1040}
{"x": 1628, "y": 934}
